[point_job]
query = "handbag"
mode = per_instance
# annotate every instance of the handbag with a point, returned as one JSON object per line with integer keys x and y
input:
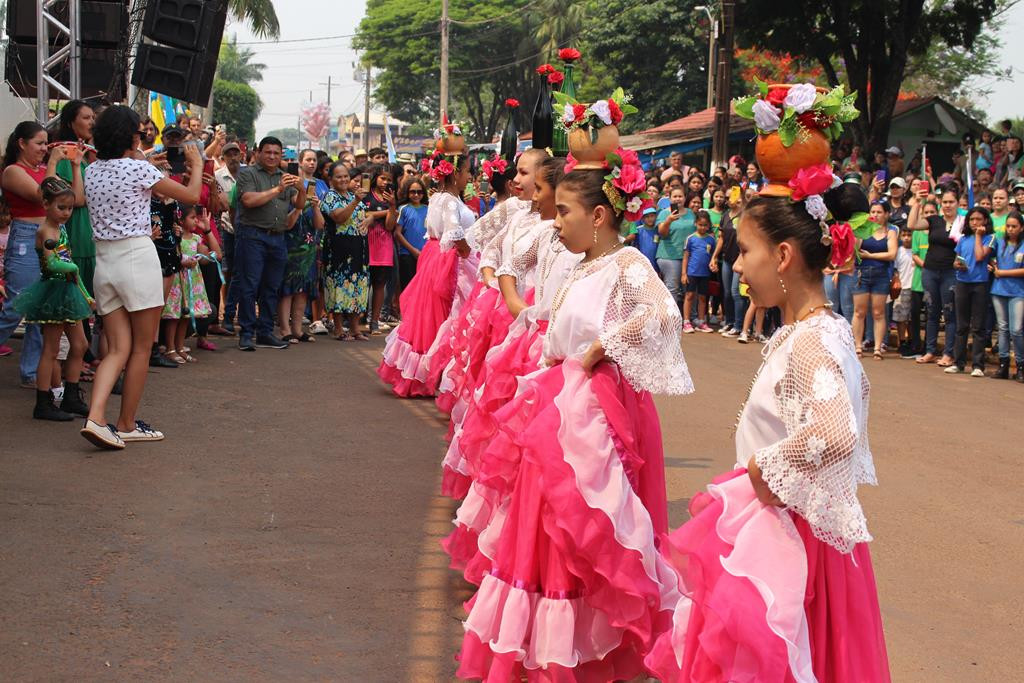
{"x": 895, "y": 287}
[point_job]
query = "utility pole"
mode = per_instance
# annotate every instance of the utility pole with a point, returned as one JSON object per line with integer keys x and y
{"x": 712, "y": 38}
{"x": 329, "y": 87}
{"x": 723, "y": 109}
{"x": 444, "y": 56}
{"x": 366, "y": 109}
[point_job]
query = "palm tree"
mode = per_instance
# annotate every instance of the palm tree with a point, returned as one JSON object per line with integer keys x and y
{"x": 233, "y": 63}
{"x": 258, "y": 14}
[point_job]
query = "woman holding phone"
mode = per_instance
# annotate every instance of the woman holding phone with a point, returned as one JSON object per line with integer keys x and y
{"x": 300, "y": 273}
{"x": 938, "y": 275}
{"x": 378, "y": 205}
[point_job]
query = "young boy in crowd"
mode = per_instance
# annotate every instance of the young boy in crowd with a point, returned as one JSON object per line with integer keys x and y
{"x": 644, "y": 236}
{"x": 901, "y": 307}
{"x": 697, "y": 269}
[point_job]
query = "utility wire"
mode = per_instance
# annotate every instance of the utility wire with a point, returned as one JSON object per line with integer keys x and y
{"x": 500, "y": 17}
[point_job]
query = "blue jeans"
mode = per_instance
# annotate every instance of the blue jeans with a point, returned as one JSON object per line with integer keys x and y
{"x": 939, "y": 286}
{"x": 1010, "y": 325}
{"x": 21, "y": 271}
{"x": 260, "y": 258}
{"x": 230, "y": 261}
{"x": 734, "y": 305}
{"x": 671, "y": 275}
{"x": 841, "y": 294}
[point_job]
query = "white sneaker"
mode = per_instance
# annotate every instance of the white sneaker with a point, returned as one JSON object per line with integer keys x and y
{"x": 317, "y": 327}
{"x": 977, "y": 372}
{"x": 142, "y": 432}
{"x": 952, "y": 370}
{"x": 102, "y": 436}
{"x": 743, "y": 338}
{"x": 725, "y": 330}
{"x": 731, "y": 333}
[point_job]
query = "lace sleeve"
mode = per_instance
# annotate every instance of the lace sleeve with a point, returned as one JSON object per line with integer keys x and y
{"x": 490, "y": 254}
{"x": 452, "y": 230}
{"x": 816, "y": 468}
{"x": 523, "y": 263}
{"x": 490, "y": 224}
{"x": 642, "y": 329}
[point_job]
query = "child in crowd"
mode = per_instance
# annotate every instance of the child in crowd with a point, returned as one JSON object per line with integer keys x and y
{"x": 1008, "y": 295}
{"x": 5, "y": 231}
{"x": 901, "y": 307}
{"x": 59, "y": 303}
{"x": 643, "y": 235}
{"x": 187, "y": 297}
{"x": 697, "y": 269}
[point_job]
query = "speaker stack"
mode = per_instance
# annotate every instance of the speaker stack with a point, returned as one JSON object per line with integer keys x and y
{"x": 103, "y": 26}
{"x": 183, "y": 61}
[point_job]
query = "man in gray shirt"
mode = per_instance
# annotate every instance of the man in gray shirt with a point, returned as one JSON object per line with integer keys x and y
{"x": 266, "y": 198}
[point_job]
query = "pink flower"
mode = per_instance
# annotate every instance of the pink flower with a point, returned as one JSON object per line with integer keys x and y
{"x": 570, "y": 162}
{"x": 811, "y": 180}
{"x": 631, "y": 180}
{"x": 842, "y": 244}
{"x": 445, "y": 167}
{"x": 424, "y": 165}
{"x": 628, "y": 156}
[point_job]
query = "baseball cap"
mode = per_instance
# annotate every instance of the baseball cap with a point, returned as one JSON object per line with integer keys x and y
{"x": 853, "y": 178}
{"x": 649, "y": 210}
{"x": 898, "y": 182}
{"x": 1019, "y": 185}
{"x": 230, "y": 147}
{"x": 171, "y": 129}
{"x": 894, "y": 150}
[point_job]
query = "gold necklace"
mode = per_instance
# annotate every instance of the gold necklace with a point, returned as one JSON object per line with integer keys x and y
{"x": 812, "y": 309}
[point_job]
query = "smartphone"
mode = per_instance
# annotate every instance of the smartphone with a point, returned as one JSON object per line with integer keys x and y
{"x": 176, "y": 159}
{"x": 364, "y": 183}
{"x": 208, "y": 167}
{"x": 485, "y": 187}
{"x": 293, "y": 167}
{"x": 222, "y": 128}
{"x": 926, "y": 186}
{"x": 882, "y": 175}
{"x": 675, "y": 207}
{"x": 311, "y": 190}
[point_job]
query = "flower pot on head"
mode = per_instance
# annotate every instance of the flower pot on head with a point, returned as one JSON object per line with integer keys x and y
{"x": 779, "y": 163}
{"x": 451, "y": 144}
{"x": 592, "y": 154}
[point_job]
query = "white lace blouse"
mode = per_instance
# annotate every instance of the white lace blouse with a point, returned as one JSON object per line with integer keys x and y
{"x": 619, "y": 300}
{"x": 448, "y": 220}
{"x": 805, "y": 425}
{"x": 515, "y": 239}
{"x": 548, "y": 262}
{"x": 493, "y": 222}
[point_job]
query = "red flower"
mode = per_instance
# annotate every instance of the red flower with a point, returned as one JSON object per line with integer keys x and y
{"x": 570, "y": 163}
{"x": 811, "y": 180}
{"x": 545, "y": 69}
{"x": 842, "y": 244}
{"x": 578, "y": 111}
{"x": 628, "y": 156}
{"x": 813, "y": 120}
{"x": 568, "y": 54}
{"x": 425, "y": 165}
{"x": 512, "y": 103}
{"x": 556, "y": 78}
{"x": 777, "y": 96}
{"x": 615, "y": 112}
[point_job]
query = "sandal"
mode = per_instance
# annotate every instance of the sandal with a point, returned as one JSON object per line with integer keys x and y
{"x": 860, "y": 352}
{"x": 87, "y": 374}
{"x": 345, "y": 337}
{"x": 183, "y": 353}
{"x": 306, "y": 338}
{"x": 290, "y": 338}
{"x": 173, "y": 355}
{"x": 878, "y": 355}
{"x": 945, "y": 362}
{"x": 361, "y": 337}
{"x": 926, "y": 358}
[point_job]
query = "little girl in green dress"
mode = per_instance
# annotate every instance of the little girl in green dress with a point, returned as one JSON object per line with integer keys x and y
{"x": 187, "y": 298}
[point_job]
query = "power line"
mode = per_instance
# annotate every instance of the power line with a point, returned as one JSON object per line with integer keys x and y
{"x": 383, "y": 36}
{"x": 500, "y": 17}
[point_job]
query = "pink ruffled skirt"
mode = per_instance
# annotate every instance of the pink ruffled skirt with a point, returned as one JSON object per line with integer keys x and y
{"x": 765, "y": 600}
{"x": 574, "y": 588}
{"x": 426, "y": 304}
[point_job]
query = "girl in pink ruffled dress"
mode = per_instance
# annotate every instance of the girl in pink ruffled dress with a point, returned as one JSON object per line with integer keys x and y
{"x": 576, "y": 589}
{"x": 411, "y": 363}
{"x": 774, "y": 569}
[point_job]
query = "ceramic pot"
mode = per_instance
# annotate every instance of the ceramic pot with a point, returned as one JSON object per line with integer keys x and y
{"x": 780, "y": 163}
{"x": 592, "y": 154}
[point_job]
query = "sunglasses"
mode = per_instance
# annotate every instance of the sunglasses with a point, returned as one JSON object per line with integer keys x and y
{"x": 415, "y": 191}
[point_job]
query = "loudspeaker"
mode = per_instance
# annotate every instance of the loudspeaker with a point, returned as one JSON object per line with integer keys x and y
{"x": 195, "y": 25}
{"x": 102, "y": 24}
{"x": 182, "y": 74}
{"x": 98, "y": 70}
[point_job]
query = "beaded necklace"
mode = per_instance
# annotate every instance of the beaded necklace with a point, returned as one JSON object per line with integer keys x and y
{"x": 577, "y": 270}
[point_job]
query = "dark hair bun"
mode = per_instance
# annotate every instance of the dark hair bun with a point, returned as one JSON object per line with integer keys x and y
{"x": 845, "y": 200}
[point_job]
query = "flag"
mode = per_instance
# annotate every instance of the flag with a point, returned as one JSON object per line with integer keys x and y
{"x": 392, "y": 155}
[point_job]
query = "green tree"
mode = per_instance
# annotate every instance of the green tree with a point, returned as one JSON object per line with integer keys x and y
{"x": 289, "y": 136}
{"x": 872, "y": 42}
{"x": 238, "y": 106}
{"x": 258, "y": 14}
{"x": 235, "y": 63}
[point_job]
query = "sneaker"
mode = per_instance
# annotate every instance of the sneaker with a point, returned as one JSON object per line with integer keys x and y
{"x": 5, "y": 350}
{"x": 977, "y": 372}
{"x": 953, "y": 370}
{"x": 142, "y": 432}
{"x": 269, "y": 341}
{"x": 102, "y": 436}
{"x": 245, "y": 343}
{"x": 731, "y": 334}
{"x": 58, "y": 395}
{"x": 687, "y": 327}
{"x": 713, "y": 320}
{"x": 157, "y": 360}
{"x": 704, "y": 327}
{"x": 317, "y": 327}
{"x": 725, "y": 330}
{"x": 761, "y": 338}
{"x": 743, "y": 338}
{"x": 206, "y": 345}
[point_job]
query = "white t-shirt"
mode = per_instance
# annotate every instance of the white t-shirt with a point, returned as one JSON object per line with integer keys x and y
{"x": 118, "y": 192}
{"x": 905, "y": 267}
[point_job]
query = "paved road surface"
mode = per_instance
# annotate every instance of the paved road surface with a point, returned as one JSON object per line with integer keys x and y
{"x": 287, "y": 528}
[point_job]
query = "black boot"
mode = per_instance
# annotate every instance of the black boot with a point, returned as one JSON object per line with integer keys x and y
{"x": 46, "y": 410}
{"x": 1004, "y": 369}
{"x": 74, "y": 400}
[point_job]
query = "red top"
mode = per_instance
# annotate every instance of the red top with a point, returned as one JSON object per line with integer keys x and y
{"x": 27, "y": 208}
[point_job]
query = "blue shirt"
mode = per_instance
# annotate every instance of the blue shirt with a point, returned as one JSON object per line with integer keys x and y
{"x": 1008, "y": 258}
{"x": 647, "y": 242}
{"x": 699, "y": 249}
{"x": 412, "y": 221}
{"x": 977, "y": 271}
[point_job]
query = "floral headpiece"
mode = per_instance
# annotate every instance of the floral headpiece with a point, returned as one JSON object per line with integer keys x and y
{"x": 447, "y": 129}
{"x": 437, "y": 166}
{"x": 808, "y": 185}
{"x": 795, "y": 110}
{"x": 609, "y": 112}
{"x": 494, "y": 166}
{"x": 625, "y": 186}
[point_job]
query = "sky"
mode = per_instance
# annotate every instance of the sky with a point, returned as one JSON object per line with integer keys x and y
{"x": 297, "y": 69}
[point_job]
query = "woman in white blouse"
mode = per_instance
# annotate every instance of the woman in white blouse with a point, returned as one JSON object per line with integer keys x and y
{"x": 128, "y": 282}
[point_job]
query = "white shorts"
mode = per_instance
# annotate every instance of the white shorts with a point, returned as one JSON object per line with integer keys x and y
{"x": 127, "y": 275}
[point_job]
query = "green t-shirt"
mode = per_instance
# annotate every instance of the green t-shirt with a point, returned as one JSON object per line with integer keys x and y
{"x": 716, "y": 219}
{"x": 999, "y": 224}
{"x": 671, "y": 247}
{"x": 79, "y": 226}
{"x": 918, "y": 248}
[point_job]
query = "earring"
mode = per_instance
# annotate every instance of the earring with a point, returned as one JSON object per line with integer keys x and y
{"x": 782, "y": 283}
{"x": 595, "y": 235}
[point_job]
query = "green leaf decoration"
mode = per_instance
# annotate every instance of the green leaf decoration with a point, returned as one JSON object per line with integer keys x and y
{"x": 628, "y": 109}
{"x": 861, "y": 226}
{"x": 761, "y": 86}
{"x": 619, "y": 95}
{"x": 744, "y": 106}
{"x": 834, "y": 131}
{"x": 613, "y": 159}
{"x": 788, "y": 130}
{"x": 562, "y": 99}
{"x": 788, "y": 113}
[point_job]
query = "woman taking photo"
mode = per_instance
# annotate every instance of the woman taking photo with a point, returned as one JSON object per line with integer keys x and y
{"x": 76, "y": 122}
{"x": 876, "y": 255}
{"x": 971, "y": 290}
{"x": 378, "y": 205}
{"x": 129, "y": 286}
{"x": 345, "y": 254}
{"x": 22, "y": 174}
{"x": 938, "y": 275}
{"x": 300, "y": 273}
{"x": 675, "y": 224}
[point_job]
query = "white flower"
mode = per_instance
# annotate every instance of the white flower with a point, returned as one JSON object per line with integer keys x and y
{"x": 766, "y": 116}
{"x": 568, "y": 117}
{"x": 816, "y": 207}
{"x": 801, "y": 97}
{"x": 616, "y": 172}
{"x": 634, "y": 204}
{"x": 815, "y": 447}
{"x": 602, "y": 111}
{"x": 825, "y": 385}
{"x": 636, "y": 275}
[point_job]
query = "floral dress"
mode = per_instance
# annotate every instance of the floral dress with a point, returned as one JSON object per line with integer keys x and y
{"x": 345, "y": 257}
{"x": 300, "y": 268}
{"x": 187, "y": 295}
